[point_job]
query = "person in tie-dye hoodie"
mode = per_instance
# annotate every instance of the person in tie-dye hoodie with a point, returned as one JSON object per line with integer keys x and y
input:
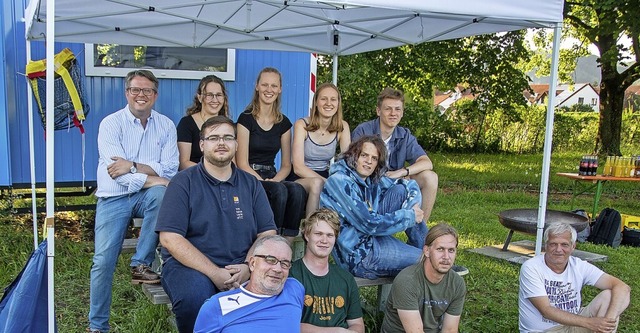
{"x": 373, "y": 207}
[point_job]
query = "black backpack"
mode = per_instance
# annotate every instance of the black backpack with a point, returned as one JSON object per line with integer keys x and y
{"x": 606, "y": 229}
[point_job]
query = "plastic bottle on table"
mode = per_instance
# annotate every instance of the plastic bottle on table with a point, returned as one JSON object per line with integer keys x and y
{"x": 582, "y": 170}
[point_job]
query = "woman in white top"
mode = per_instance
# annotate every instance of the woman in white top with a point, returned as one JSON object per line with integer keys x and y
{"x": 315, "y": 139}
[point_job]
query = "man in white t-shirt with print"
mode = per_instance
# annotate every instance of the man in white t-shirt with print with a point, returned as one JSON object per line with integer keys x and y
{"x": 551, "y": 284}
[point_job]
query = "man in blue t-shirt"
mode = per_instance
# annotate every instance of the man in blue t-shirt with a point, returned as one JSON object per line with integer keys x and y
{"x": 402, "y": 146}
{"x": 212, "y": 214}
{"x": 268, "y": 302}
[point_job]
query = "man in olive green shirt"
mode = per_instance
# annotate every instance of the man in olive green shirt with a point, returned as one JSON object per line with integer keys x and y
{"x": 428, "y": 296}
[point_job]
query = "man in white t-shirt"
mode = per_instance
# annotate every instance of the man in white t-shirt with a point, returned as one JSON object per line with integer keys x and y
{"x": 551, "y": 284}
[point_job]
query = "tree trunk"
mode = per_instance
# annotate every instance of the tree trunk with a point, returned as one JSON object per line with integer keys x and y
{"x": 611, "y": 107}
{"x": 481, "y": 130}
{"x": 611, "y": 100}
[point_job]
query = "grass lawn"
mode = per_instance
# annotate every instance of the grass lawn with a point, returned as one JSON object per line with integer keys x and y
{"x": 473, "y": 190}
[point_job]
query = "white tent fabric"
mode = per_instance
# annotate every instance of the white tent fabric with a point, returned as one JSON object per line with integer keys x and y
{"x": 328, "y": 27}
{"x": 337, "y": 27}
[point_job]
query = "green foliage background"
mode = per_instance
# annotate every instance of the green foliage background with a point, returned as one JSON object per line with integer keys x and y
{"x": 506, "y": 126}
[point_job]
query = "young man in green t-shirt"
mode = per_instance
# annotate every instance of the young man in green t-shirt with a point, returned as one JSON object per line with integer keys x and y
{"x": 331, "y": 299}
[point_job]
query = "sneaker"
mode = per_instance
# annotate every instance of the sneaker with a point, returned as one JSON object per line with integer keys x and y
{"x": 92, "y": 331}
{"x": 461, "y": 270}
{"x": 144, "y": 274}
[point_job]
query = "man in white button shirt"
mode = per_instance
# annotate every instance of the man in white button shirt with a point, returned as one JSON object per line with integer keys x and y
{"x": 138, "y": 156}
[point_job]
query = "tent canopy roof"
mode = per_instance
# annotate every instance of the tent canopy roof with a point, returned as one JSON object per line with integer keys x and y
{"x": 328, "y": 27}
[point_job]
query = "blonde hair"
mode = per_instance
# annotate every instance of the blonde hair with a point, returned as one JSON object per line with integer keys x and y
{"x": 254, "y": 106}
{"x": 439, "y": 230}
{"x": 314, "y": 118}
{"x": 390, "y": 93}
{"x": 322, "y": 214}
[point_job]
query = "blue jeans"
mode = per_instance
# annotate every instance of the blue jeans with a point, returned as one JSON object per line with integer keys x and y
{"x": 113, "y": 215}
{"x": 187, "y": 289}
{"x": 390, "y": 255}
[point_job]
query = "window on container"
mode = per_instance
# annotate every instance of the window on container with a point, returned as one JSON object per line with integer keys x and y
{"x": 165, "y": 62}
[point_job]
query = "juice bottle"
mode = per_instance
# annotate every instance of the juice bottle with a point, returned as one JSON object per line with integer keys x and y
{"x": 616, "y": 166}
{"x": 606, "y": 171}
{"x": 625, "y": 168}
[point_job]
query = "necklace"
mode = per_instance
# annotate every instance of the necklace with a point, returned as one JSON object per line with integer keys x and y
{"x": 201, "y": 117}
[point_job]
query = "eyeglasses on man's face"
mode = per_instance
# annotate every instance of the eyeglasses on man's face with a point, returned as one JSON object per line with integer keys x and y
{"x": 271, "y": 260}
{"x": 217, "y": 138}
{"x": 209, "y": 97}
{"x": 144, "y": 91}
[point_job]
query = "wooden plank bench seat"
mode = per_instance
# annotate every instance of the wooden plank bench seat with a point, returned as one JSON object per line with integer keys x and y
{"x": 157, "y": 295}
{"x": 129, "y": 244}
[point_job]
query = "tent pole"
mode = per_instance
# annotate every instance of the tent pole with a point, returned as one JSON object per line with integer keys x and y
{"x": 548, "y": 136}
{"x": 335, "y": 69}
{"x": 32, "y": 159}
{"x": 50, "y": 135}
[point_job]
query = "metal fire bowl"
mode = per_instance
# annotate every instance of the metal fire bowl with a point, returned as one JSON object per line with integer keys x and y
{"x": 526, "y": 220}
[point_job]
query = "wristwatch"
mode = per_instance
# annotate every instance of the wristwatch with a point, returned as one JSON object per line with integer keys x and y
{"x": 407, "y": 168}
{"x": 134, "y": 168}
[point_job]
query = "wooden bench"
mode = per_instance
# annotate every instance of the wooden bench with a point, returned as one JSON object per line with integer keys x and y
{"x": 129, "y": 244}
{"x": 384, "y": 288}
{"x": 157, "y": 295}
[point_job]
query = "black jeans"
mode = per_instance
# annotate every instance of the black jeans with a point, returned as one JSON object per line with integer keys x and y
{"x": 287, "y": 201}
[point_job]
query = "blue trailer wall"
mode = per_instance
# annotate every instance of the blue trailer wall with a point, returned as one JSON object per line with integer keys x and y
{"x": 106, "y": 95}
{"x": 5, "y": 176}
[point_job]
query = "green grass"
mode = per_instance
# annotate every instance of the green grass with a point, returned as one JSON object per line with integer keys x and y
{"x": 473, "y": 190}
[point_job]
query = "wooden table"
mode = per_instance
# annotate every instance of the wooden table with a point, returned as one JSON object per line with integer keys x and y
{"x": 593, "y": 182}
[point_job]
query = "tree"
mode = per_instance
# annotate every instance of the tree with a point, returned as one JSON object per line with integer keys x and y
{"x": 603, "y": 23}
{"x": 487, "y": 64}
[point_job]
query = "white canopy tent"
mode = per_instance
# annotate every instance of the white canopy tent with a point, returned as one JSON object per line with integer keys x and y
{"x": 337, "y": 27}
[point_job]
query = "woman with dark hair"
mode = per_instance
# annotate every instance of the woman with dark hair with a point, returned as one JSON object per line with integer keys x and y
{"x": 209, "y": 101}
{"x": 373, "y": 207}
{"x": 315, "y": 139}
{"x": 263, "y": 131}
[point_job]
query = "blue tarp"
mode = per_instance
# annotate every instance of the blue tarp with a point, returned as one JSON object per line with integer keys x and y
{"x": 23, "y": 307}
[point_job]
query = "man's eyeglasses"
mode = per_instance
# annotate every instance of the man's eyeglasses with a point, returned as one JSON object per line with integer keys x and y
{"x": 209, "y": 97}
{"x": 271, "y": 260}
{"x": 144, "y": 91}
{"x": 217, "y": 138}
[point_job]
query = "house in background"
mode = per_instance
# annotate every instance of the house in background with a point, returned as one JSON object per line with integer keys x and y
{"x": 442, "y": 100}
{"x": 566, "y": 95}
